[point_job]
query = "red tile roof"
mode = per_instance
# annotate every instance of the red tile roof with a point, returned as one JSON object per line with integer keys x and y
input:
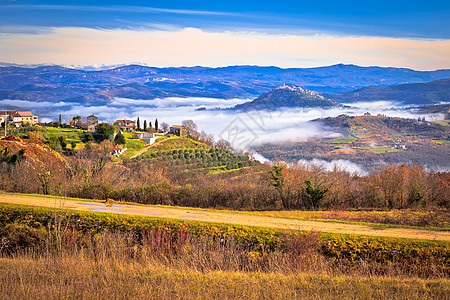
{"x": 25, "y": 114}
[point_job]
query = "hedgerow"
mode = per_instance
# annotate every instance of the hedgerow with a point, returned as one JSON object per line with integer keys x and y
{"x": 335, "y": 247}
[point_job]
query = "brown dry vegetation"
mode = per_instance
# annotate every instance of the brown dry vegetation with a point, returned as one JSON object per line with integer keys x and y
{"x": 81, "y": 278}
{"x": 113, "y": 265}
{"x": 91, "y": 174}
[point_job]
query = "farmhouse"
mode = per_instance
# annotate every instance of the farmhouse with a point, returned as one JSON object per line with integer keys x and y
{"x": 28, "y": 117}
{"x": 118, "y": 151}
{"x": 126, "y": 125}
{"x": 178, "y": 130}
{"x": 92, "y": 122}
{"x": 147, "y": 137}
{"x": 18, "y": 117}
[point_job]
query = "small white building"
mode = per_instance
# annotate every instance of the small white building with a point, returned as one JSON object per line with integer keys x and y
{"x": 118, "y": 151}
{"x": 147, "y": 137}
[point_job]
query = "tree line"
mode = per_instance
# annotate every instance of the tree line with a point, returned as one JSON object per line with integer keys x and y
{"x": 91, "y": 174}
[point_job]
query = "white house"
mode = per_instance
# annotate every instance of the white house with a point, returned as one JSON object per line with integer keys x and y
{"x": 147, "y": 137}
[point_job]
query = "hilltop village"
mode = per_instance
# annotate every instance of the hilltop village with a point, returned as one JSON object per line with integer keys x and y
{"x": 21, "y": 123}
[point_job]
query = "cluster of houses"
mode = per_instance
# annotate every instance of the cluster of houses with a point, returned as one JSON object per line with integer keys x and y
{"x": 398, "y": 145}
{"x": 26, "y": 117}
{"x": 92, "y": 122}
{"x": 127, "y": 126}
{"x": 18, "y": 117}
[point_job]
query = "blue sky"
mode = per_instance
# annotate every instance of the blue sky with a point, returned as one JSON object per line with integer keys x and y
{"x": 421, "y": 19}
{"x": 400, "y": 21}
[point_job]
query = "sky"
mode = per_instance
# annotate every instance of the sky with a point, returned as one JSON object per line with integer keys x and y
{"x": 284, "y": 33}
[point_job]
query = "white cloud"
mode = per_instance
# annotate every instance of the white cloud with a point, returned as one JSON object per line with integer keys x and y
{"x": 340, "y": 165}
{"x": 31, "y": 104}
{"x": 243, "y": 129}
{"x": 195, "y": 102}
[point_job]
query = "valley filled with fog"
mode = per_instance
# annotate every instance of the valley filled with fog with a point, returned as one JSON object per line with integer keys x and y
{"x": 242, "y": 129}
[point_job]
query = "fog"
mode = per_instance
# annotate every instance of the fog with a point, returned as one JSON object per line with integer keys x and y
{"x": 242, "y": 129}
{"x": 340, "y": 164}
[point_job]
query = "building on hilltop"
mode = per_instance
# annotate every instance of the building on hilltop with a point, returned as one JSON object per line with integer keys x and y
{"x": 28, "y": 117}
{"x": 6, "y": 115}
{"x": 178, "y": 130}
{"x": 92, "y": 122}
{"x": 19, "y": 117}
{"x": 147, "y": 137}
{"x": 126, "y": 125}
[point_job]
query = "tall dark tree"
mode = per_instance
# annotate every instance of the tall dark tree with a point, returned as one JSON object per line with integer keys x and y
{"x": 103, "y": 131}
{"x": 316, "y": 194}
{"x": 277, "y": 178}
{"x": 150, "y": 125}
{"x": 145, "y": 125}
{"x": 156, "y": 125}
{"x": 119, "y": 139}
{"x": 138, "y": 124}
{"x": 59, "y": 119}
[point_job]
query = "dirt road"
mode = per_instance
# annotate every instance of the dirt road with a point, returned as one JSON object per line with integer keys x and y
{"x": 143, "y": 150}
{"x": 224, "y": 217}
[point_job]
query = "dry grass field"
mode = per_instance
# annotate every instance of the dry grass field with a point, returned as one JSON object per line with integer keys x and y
{"x": 75, "y": 277}
{"x": 55, "y": 260}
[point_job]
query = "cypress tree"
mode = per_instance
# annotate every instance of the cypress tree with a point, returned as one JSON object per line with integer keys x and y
{"x": 145, "y": 125}
{"x": 138, "y": 124}
{"x": 156, "y": 125}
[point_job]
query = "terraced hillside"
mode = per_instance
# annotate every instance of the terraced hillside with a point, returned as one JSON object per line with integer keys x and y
{"x": 195, "y": 154}
{"x": 371, "y": 141}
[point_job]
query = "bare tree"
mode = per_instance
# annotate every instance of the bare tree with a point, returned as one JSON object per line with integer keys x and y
{"x": 191, "y": 127}
{"x": 224, "y": 144}
{"x": 206, "y": 138}
{"x": 165, "y": 127}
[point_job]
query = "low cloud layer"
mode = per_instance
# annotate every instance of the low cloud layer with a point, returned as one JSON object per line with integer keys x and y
{"x": 339, "y": 165}
{"x": 242, "y": 129}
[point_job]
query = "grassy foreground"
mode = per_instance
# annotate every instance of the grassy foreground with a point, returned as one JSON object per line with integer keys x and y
{"x": 80, "y": 278}
{"x": 53, "y": 254}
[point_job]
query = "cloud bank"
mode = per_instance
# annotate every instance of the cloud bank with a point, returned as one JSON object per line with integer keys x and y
{"x": 339, "y": 165}
{"x": 242, "y": 129}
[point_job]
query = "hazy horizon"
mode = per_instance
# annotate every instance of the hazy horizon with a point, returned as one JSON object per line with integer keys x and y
{"x": 175, "y": 33}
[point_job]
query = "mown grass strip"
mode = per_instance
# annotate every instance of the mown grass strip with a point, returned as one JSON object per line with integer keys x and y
{"x": 254, "y": 213}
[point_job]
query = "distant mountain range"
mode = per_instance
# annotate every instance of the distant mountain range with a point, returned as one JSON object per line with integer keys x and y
{"x": 340, "y": 83}
{"x": 434, "y": 92}
{"x": 56, "y": 83}
{"x": 287, "y": 96}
